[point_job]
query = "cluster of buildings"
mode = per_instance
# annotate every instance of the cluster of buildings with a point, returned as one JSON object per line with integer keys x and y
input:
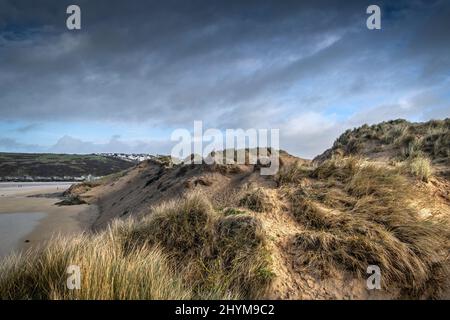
{"x": 132, "y": 157}
{"x": 47, "y": 179}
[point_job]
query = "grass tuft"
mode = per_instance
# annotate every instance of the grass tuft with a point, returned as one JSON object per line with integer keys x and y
{"x": 420, "y": 167}
{"x": 292, "y": 174}
{"x": 370, "y": 223}
{"x": 181, "y": 250}
{"x": 107, "y": 272}
{"x": 258, "y": 199}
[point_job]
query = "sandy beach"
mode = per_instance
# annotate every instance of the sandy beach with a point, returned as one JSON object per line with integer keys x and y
{"x": 29, "y": 216}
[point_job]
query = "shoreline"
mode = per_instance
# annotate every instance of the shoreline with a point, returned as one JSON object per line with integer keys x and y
{"x": 65, "y": 220}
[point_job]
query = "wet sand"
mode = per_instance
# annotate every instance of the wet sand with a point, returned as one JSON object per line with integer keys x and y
{"x": 31, "y": 221}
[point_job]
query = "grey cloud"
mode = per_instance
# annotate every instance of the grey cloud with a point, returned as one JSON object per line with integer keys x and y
{"x": 229, "y": 63}
{"x": 135, "y": 60}
{"x": 12, "y": 145}
{"x": 28, "y": 127}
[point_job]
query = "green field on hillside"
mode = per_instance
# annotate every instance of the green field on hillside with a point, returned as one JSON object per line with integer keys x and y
{"x": 59, "y": 165}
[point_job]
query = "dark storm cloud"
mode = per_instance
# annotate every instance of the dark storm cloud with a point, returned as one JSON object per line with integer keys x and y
{"x": 145, "y": 57}
{"x": 229, "y": 63}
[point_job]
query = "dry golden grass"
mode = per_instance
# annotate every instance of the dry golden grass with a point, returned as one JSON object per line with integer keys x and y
{"x": 395, "y": 139}
{"x": 292, "y": 173}
{"x": 410, "y": 145}
{"x": 258, "y": 199}
{"x": 184, "y": 227}
{"x": 337, "y": 168}
{"x": 107, "y": 272}
{"x": 216, "y": 255}
{"x": 181, "y": 250}
{"x": 369, "y": 222}
{"x": 353, "y": 213}
{"x": 420, "y": 167}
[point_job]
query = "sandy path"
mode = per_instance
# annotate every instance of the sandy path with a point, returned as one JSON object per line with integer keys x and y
{"x": 65, "y": 220}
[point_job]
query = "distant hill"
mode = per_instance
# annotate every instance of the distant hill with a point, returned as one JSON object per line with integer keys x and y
{"x": 396, "y": 139}
{"x": 48, "y": 166}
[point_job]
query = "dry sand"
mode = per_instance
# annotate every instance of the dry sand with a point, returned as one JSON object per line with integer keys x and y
{"x": 53, "y": 219}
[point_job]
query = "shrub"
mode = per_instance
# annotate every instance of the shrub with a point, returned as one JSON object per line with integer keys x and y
{"x": 395, "y": 134}
{"x": 442, "y": 145}
{"x": 354, "y": 146}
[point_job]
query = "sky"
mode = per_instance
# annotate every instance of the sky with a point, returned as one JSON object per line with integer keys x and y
{"x": 138, "y": 70}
